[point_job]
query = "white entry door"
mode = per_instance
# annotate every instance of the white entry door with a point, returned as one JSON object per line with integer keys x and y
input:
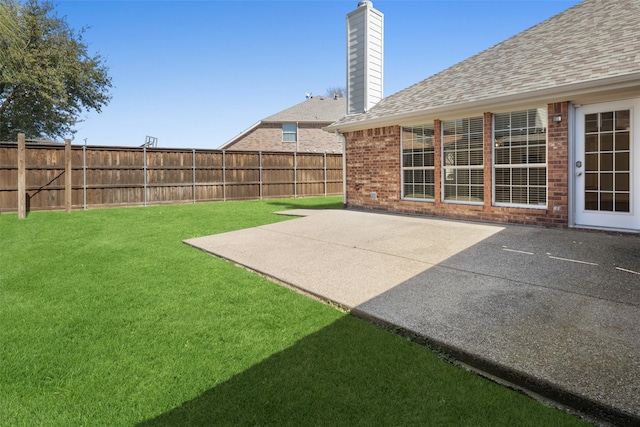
{"x": 607, "y": 185}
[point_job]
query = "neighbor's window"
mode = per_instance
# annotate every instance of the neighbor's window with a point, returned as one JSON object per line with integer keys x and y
{"x": 289, "y": 132}
{"x": 462, "y": 160}
{"x": 520, "y": 158}
{"x": 417, "y": 162}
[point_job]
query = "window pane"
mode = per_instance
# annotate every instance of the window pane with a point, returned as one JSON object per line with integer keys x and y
{"x": 289, "y": 132}
{"x": 591, "y": 181}
{"x": 622, "y": 202}
{"x": 591, "y": 123}
{"x": 606, "y": 181}
{"x": 606, "y": 202}
{"x": 501, "y": 156}
{"x": 591, "y": 201}
{"x": 503, "y": 176}
{"x": 418, "y": 154}
{"x": 606, "y": 161}
{"x": 520, "y": 140}
{"x": 622, "y": 161}
{"x": 606, "y": 122}
{"x": 463, "y": 157}
{"x": 622, "y": 182}
{"x": 623, "y": 120}
{"x": 622, "y": 140}
{"x": 591, "y": 162}
{"x": 591, "y": 143}
{"x": 606, "y": 142}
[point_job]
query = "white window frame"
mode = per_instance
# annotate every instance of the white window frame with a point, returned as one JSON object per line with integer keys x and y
{"x": 453, "y": 168}
{"x": 419, "y": 141}
{"x": 290, "y": 129}
{"x": 538, "y": 126}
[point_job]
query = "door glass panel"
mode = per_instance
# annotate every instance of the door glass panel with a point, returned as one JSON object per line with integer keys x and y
{"x": 591, "y": 162}
{"x": 606, "y": 122}
{"x": 591, "y": 181}
{"x": 623, "y": 121}
{"x": 591, "y": 201}
{"x": 606, "y": 182}
{"x": 622, "y": 182}
{"x": 622, "y": 140}
{"x": 606, "y": 202}
{"x": 622, "y": 161}
{"x": 607, "y": 164}
{"x": 606, "y": 161}
{"x": 606, "y": 142}
{"x": 622, "y": 202}
{"x": 591, "y": 123}
{"x": 590, "y": 143}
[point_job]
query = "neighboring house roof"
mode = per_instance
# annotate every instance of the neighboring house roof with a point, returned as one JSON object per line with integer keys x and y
{"x": 317, "y": 109}
{"x": 594, "y": 43}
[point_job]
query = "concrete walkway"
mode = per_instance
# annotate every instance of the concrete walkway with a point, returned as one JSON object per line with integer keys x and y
{"x": 556, "y": 312}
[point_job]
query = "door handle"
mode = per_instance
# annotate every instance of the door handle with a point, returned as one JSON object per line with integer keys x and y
{"x": 578, "y": 173}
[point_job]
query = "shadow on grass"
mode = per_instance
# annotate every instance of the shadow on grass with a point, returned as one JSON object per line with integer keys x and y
{"x": 353, "y": 373}
{"x": 283, "y": 204}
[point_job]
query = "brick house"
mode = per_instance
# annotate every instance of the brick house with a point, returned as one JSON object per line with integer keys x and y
{"x": 299, "y": 128}
{"x": 541, "y": 129}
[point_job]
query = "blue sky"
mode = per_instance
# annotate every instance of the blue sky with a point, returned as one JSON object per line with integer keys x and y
{"x": 194, "y": 74}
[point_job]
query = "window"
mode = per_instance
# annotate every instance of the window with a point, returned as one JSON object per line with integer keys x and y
{"x": 289, "y": 132}
{"x": 418, "y": 162}
{"x": 520, "y": 158}
{"x": 462, "y": 160}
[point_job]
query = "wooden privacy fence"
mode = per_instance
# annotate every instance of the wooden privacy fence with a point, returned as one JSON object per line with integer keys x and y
{"x": 120, "y": 176}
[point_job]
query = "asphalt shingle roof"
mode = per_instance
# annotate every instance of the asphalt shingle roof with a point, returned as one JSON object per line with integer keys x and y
{"x": 593, "y": 40}
{"x": 315, "y": 109}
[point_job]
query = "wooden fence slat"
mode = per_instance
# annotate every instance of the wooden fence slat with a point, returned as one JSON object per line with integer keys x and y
{"x": 135, "y": 176}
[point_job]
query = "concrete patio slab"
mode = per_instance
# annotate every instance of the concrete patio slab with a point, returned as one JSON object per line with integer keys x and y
{"x": 553, "y": 311}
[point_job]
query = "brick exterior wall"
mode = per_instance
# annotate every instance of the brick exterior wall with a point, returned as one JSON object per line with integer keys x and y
{"x": 373, "y": 165}
{"x": 268, "y": 137}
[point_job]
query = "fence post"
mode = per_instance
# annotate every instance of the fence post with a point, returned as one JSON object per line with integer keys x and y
{"x": 84, "y": 177}
{"x": 193, "y": 173}
{"x": 260, "y": 173}
{"x": 295, "y": 175}
{"x": 325, "y": 173}
{"x": 67, "y": 176}
{"x": 22, "y": 178}
{"x": 144, "y": 173}
{"x": 224, "y": 178}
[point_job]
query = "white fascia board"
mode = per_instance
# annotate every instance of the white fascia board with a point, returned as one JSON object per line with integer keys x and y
{"x": 568, "y": 92}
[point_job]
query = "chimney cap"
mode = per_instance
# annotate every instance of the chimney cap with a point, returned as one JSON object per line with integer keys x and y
{"x": 365, "y": 3}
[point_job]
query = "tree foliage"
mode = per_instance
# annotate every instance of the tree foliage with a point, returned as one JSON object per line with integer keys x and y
{"x": 47, "y": 77}
{"x": 338, "y": 91}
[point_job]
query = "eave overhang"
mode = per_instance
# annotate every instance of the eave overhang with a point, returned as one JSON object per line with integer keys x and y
{"x": 617, "y": 87}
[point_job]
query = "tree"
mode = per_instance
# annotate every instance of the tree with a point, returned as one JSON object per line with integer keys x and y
{"x": 338, "y": 91}
{"x": 47, "y": 77}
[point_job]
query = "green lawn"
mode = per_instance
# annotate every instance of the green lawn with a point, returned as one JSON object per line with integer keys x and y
{"x": 108, "y": 319}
